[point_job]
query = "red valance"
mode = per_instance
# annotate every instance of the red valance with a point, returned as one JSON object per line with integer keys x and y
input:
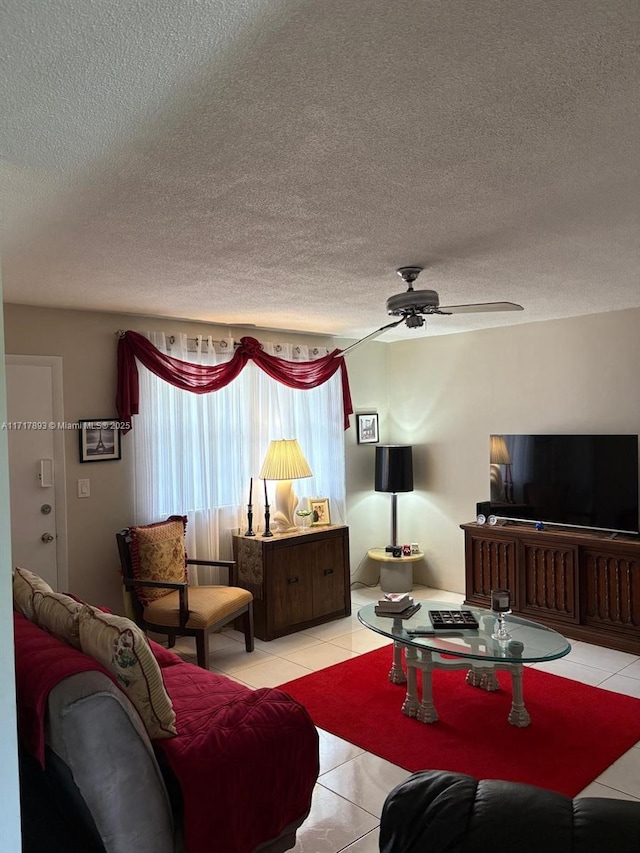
{"x": 202, "y": 379}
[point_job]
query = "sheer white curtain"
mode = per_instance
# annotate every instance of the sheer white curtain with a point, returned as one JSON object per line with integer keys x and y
{"x": 195, "y": 454}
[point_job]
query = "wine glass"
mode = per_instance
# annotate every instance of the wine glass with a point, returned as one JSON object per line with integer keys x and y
{"x": 303, "y": 518}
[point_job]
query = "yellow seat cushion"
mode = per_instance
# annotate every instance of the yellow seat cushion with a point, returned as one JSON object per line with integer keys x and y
{"x": 207, "y": 604}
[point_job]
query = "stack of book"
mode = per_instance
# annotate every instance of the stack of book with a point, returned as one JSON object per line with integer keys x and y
{"x": 396, "y": 604}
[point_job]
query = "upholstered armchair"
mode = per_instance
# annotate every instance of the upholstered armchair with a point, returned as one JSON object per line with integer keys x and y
{"x": 154, "y": 573}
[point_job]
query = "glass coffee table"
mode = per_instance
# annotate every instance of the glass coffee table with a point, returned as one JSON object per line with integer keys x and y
{"x": 473, "y": 649}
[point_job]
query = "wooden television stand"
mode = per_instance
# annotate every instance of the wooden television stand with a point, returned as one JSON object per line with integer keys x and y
{"x": 584, "y": 584}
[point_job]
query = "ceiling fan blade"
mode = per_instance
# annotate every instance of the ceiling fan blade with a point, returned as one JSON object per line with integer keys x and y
{"x": 479, "y": 307}
{"x": 372, "y": 335}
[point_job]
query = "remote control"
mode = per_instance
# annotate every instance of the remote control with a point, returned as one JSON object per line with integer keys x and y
{"x": 421, "y": 632}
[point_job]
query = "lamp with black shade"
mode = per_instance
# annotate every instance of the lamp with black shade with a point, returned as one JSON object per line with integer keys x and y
{"x": 284, "y": 462}
{"x": 394, "y": 474}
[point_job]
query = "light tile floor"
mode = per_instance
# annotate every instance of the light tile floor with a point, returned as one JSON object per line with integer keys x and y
{"x": 352, "y": 786}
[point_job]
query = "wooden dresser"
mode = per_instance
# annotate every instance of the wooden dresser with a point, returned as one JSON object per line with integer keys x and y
{"x": 297, "y": 580}
{"x": 586, "y": 585}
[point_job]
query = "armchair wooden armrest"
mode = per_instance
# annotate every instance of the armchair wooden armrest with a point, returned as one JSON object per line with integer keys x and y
{"x": 226, "y": 564}
{"x": 181, "y": 586}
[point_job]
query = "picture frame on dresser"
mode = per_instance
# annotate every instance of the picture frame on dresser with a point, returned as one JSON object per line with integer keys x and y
{"x": 320, "y": 512}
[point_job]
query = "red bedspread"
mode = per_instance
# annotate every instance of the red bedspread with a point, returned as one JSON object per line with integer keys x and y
{"x": 246, "y": 760}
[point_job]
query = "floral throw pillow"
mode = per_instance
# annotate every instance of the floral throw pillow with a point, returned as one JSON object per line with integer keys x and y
{"x": 25, "y": 585}
{"x": 58, "y": 614}
{"x": 120, "y": 646}
{"x": 158, "y": 554}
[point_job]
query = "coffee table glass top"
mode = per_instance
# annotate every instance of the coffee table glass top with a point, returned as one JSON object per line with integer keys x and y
{"x": 538, "y": 642}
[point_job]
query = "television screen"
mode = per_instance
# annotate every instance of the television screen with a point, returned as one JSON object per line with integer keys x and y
{"x": 576, "y": 480}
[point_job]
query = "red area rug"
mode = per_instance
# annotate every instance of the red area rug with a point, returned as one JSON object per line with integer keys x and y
{"x": 576, "y": 731}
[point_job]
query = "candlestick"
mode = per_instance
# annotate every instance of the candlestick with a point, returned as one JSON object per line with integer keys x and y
{"x": 250, "y": 521}
{"x": 250, "y": 491}
{"x": 267, "y": 531}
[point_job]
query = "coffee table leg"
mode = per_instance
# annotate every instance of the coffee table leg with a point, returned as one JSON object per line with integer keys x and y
{"x": 518, "y": 716}
{"x": 397, "y": 674}
{"x": 427, "y": 711}
{"x": 483, "y": 677}
{"x": 410, "y": 705}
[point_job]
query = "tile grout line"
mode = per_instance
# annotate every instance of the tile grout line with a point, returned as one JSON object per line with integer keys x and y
{"x": 351, "y": 803}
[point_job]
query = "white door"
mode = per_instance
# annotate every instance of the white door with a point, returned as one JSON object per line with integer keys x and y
{"x": 36, "y": 466}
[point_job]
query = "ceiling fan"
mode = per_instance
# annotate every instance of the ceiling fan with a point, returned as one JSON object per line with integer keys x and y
{"x": 413, "y": 305}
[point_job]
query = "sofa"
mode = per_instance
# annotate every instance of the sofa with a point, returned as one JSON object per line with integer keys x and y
{"x": 179, "y": 760}
{"x": 434, "y": 811}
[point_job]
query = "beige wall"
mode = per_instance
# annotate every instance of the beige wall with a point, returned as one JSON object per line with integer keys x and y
{"x": 87, "y": 343}
{"x": 444, "y": 395}
{"x": 368, "y": 512}
{"x": 578, "y": 375}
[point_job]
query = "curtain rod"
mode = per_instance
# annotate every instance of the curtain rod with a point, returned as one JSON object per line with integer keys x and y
{"x": 171, "y": 339}
{"x": 223, "y": 344}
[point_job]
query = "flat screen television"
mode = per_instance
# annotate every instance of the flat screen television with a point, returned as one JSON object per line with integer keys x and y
{"x": 574, "y": 480}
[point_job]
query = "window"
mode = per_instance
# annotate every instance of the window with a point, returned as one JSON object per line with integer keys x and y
{"x": 195, "y": 454}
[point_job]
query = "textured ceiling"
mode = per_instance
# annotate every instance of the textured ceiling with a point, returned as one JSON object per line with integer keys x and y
{"x": 271, "y": 162}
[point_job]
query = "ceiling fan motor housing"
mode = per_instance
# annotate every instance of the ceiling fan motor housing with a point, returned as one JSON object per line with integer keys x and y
{"x": 413, "y": 302}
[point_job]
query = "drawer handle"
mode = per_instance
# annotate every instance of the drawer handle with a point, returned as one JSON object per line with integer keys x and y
{"x": 328, "y": 571}
{"x": 293, "y": 580}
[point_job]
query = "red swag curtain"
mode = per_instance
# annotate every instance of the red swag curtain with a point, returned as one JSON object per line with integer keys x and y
{"x": 202, "y": 379}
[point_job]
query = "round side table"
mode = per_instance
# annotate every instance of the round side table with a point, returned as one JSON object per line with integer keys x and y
{"x": 396, "y": 573}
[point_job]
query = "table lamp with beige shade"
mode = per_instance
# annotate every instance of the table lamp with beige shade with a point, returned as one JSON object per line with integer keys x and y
{"x": 284, "y": 462}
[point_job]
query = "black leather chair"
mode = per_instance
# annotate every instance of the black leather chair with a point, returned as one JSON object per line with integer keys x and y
{"x": 435, "y": 811}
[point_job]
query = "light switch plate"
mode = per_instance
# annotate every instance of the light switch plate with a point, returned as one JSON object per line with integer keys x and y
{"x": 84, "y": 488}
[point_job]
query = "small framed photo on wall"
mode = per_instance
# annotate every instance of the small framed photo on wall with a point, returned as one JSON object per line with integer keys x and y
{"x": 367, "y": 428}
{"x": 99, "y": 440}
{"x": 319, "y": 511}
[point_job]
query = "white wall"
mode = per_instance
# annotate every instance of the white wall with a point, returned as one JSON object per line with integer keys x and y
{"x": 368, "y": 513}
{"x": 578, "y": 375}
{"x": 9, "y": 792}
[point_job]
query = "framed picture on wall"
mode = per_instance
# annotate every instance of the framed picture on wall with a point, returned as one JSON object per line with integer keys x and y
{"x": 319, "y": 511}
{"x": 99, "y": 440}
{"x": 367, "y": 428}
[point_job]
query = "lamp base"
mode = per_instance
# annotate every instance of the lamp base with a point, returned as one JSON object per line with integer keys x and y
{"x": 286, "y": 503}
{"x": 284, "y": 529}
